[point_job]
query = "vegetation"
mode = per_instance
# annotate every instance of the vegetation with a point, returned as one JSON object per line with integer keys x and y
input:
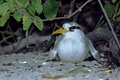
{"x": 27, "y": 11}
{"x": 36, "y": 12}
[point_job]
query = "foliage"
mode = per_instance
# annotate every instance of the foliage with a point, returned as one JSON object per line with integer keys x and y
{"x": 4, "y": 18}
{"x": 26, "y": 22}
{"x": 27, "y": 11}
{"x": 114, "y": 1}
{"x": 51, "y": 7}
{"x": 112, "y": 11}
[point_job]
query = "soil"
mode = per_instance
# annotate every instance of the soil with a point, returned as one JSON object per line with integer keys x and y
{"x": 33, "y": 64}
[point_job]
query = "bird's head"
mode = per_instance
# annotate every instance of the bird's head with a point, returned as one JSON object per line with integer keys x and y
{"x": 68, "y": 27}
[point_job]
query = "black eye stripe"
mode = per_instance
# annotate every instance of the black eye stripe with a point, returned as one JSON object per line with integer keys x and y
{"x": 74, "y": 27}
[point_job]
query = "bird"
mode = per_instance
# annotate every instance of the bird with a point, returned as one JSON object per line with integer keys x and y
{"x": 72, "y": 45}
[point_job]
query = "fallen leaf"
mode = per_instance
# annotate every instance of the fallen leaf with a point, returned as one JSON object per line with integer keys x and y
{"x": 3, "y": 70}
{"x": 67, "y": 74}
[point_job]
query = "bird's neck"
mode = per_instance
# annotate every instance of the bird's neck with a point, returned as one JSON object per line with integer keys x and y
{"x": 74, "y": 35}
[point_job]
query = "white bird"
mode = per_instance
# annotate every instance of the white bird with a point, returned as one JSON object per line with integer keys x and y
{"x": 72, "y": 45}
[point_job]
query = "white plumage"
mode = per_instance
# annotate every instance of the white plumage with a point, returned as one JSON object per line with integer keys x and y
{"x": 72, "y": 45}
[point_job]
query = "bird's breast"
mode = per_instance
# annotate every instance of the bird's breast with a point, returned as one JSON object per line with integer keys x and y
{"x": 72, "y": 50}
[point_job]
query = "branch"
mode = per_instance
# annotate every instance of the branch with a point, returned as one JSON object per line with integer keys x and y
{"x": 19, "y": 45}
{"x": 8, "y": 37}
{"x": 110, "y": 25}
{"x": 67, "y": 17}
{"x": 97, "y": 34}
{"x": 25, "y": 14}
{"x": 80, "y": 9}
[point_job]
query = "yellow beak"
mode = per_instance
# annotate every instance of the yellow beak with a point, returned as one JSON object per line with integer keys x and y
{"x": 61, "y": 30}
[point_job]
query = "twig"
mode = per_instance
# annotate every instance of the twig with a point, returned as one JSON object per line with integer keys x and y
{"x": 25, "y": 14}
{"x": 8, "y": 37}
{"x": 71, "y": 7}
{"x": 66, "y": 17}
{"x": 99, "y": 22}
{"x": 9, "y": 27}
{"x": 32, "y": 40}
{"x": 80, "y": 9}
{"x": 27, "y": 40}
{"x": 6, "y": 32}
{"x": 110, "y": 25}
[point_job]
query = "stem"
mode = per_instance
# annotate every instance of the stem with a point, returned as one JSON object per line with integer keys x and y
{"x": 110, "y": 25}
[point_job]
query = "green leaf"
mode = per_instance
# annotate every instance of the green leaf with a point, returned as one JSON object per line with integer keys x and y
{"x": 67, "y": 74}
{"x": 4, "y": 70}
{"x": 1, "y": 1}
{"x": 17, "y": 16}
{"x": 50, "y": 43}
{"x": 38, "y": 24}
{"x": 11, "y": 5}
{"x": 19, "y": 4}
{"x": 4, "y": 18}
{"x": 116, "y": 11}
{"x": 110, "y": 9}
{"x": 26, "y": 22}
{"x": 37, "y": 5}
{"x": 50, "y": 8}
{"x": 22, "y": 3}
{"x": 4, "y": 8}
{"x": 114, "y": 1}
{"x": 119, "y": 12}
{"x": 31, "y": 9}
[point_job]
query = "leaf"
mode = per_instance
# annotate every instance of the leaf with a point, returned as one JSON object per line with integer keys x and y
{"x": 116, "y": 11}
{"x": 51, "y": 43}
{"x": 31, "y": 9}
{"x": 4, "y": 18}
{"x": 19, "y": 4}
{"x": 4, "y": 70}
{"x": 37, "y": 4}
{"x": 110, "y": 9}
{"x": 117, "y": 6}
{"x": 119, "y": 12}
{"x": 108, "y": 72}
{"x": 22, "y": 3}
{"x": 67, "y": 74}
{"x": 26, "y": 22}
{"x": 1, "y": 1}
{"x": 114, "y": 1}
{"x": 38, "y": 24}
{"x": 11, "y": 5}
{"x": 4, "y": 8}
{"x": 17, "y": 16}
{"x": 50, "y": 8}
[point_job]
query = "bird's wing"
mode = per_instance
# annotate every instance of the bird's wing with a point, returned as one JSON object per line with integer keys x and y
{"x": 53, "y": 52}
{"x": 92, "y": 50}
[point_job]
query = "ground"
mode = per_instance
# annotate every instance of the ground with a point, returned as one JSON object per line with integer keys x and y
{"x": 34, "y": 66}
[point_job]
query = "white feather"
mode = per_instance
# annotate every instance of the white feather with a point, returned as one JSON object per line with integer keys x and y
{"x": 73, "y": 46}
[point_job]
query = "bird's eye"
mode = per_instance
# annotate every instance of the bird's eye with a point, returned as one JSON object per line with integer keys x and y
{"x": 74, "y": 27}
